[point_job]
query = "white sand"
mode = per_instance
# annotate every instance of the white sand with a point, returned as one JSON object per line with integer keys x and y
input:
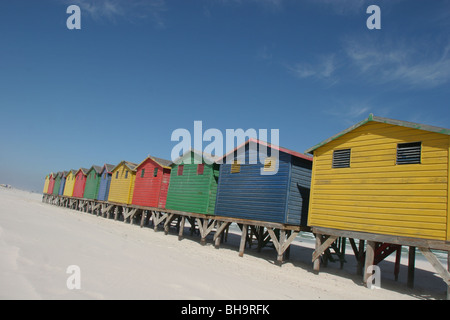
{"x": 39, "y": 241}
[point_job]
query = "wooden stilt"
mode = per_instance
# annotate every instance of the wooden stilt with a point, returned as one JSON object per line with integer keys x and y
{"x": 370, "y": 254}
{"x": 155, "y": 218}
{"x": 280, "y": 253}
{"x": 411, "y": 266}
{"x": 169, "y": 220}
{"x": 398, "y": 256}
{"x": 324, "y": 246}
{"x": 142, "y": 218}
{"x": 443, "y": 272}
{"x": 181, "y": 229}
{"x": 218, "y": 235}
{"x": 243, "y": 240}
{"x": 116, "y": 213}
{"x": 260, "y": 238}
{"x": 316, "y": 262}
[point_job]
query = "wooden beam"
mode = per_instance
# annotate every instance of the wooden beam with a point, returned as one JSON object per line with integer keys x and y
{"x": 405, "y": 241}
{"x": 169, "y": 220}
{"x": 443, "y": 272}
{"x": 316, "y": 262}
{"x": 411, "y": 266}
{"x": 180, "y": 232}
{"x": 280, "y": 247}
{"x": 219, "y": 232}
{"x": 143, "y": 213}
{"x": 323, "y": 247}
{"x": 243, "y": 240}
{"x": 273, "y": 236}
{"x": 128, "y": 213}
{"x": 289, "y": 240}
{"x": 370, "y": 254}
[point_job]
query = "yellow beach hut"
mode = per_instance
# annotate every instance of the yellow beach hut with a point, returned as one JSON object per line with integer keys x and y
{"x": 70, "y": 183}
{"x": 122, "y": 183}
{"x": 46, "y": 183}
{"x": 383, "y": 176}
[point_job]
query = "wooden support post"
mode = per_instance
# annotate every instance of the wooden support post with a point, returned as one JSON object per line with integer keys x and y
{"x": 180, "y": 232}
{"x": 398, "y": 256}
{"x": 169, "y": 220}
{"x": 155, "y": 218}
{"x": 443, "y": 272}
{"x": 260, "y": 238}
{"x": 243, "y": 240}
{"x": 281, "y": 242}
{"x": 220, "y": 233}
{"x": 411, "y": 266}
{"x": 316, "y": 262}
{"x": 324, "y": 246}
{"x": 125, "y": 214}
{"x": 142, "y": 218}
{"x": 370, "y": 255}
{"x": 217, "y": 235}
{"x": 116, "y": 213}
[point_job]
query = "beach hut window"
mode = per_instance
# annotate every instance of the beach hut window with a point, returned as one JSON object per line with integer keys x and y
{"x": 142, "y": 173}
{"x": 341, "y": 158}
{"x": 126, "y": 174}
{"x": 180, "y": 170}
{"x": 269, "y": 164}
{"x": 155, "y": 172}
{"x": 117, "y": 175}
{"x": 200, "y": 168}
{"x": 409, "y": 153}
{"x": 236, "y": 166}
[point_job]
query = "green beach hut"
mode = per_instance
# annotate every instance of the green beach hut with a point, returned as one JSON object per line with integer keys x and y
{"x": 92, "y": 182}
{"x": 193, "y": 184}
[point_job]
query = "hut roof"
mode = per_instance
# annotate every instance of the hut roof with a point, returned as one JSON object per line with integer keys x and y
{"x": 84, "y": 170}
{"x": 162, "y": 162}
{"x": 209, "y": 157}
{"x": 97, "y": 169}
{"x": 272, "y": 146}
{"x": 373, "y": 118}
{"x": 130, "y": 165}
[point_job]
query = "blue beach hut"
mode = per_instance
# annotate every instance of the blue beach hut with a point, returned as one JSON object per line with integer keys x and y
{"x": 273, "y": 189}
{"x": 63, "y": 182}
{"x": 105, "y": 182}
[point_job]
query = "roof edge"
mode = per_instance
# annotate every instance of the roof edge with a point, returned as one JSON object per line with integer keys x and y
{"x": 371, "y": 117}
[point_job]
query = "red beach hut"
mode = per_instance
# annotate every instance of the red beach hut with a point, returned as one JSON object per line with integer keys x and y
{"x": 152, "y": 182}
{"x": 80, "y": 182}
{"x": 51, "y": 183}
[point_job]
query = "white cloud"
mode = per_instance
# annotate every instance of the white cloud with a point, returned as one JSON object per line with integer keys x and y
{"x": 323, "y": 69}
{"x": 406, "y": 64}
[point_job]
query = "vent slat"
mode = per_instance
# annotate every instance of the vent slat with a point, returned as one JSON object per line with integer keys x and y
{"x": 409, "y": 153}
{"x": 341, "y": 158}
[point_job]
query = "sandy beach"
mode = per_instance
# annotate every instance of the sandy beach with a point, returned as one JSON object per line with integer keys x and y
{"x": 38, "y": 242}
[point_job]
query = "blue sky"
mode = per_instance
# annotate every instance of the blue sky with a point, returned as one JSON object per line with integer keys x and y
{"x": 137, "y": 70}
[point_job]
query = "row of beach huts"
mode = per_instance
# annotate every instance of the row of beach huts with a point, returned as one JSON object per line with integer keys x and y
{"x": 383, "y": 181}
